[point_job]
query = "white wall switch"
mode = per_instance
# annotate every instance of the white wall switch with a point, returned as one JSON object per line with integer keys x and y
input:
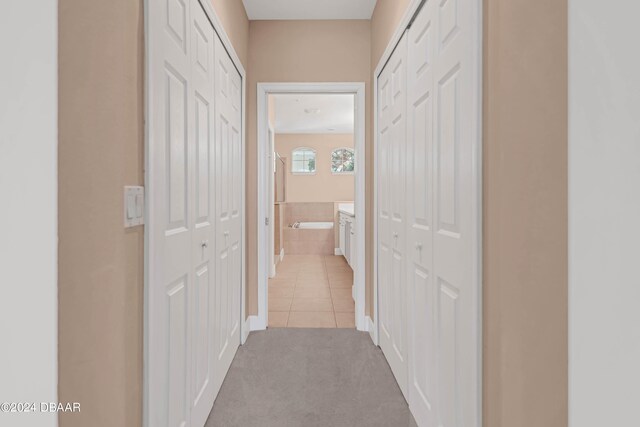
{"x": 133, "y": 206}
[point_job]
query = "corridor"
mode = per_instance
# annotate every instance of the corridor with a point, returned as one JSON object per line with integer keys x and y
{"x": 309, "y": 377}
{"x": 319, "y": 213}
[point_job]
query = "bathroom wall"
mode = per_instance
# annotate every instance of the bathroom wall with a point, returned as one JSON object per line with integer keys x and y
{"x": 323, "y": 186}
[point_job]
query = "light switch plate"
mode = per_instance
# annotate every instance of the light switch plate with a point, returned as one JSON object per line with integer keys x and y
{"x": 133, "y": 206}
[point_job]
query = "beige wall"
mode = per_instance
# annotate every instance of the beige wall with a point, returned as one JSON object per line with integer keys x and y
{"x": 101, "y": 149}
{"x": 525, "y": 213}
{"x": 384, "y": 21}
{"x": 236, "y": 24}
{"x": 323, "y": 186}
{"x": 297, "y": 51}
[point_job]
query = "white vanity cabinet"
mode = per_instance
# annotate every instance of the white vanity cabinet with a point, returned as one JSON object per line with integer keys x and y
{"x": 347, "y": 236}
{"x": 342, "y": 234}
{"x": 352, "y": 242}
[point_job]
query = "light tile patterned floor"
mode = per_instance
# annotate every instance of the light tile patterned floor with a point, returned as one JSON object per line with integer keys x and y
{"x": 312, "y": 291}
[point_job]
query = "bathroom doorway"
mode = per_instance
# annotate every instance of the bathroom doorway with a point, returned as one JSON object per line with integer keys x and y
{"x": 311, "y": 206}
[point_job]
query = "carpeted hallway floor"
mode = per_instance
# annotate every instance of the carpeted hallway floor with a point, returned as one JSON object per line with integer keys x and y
{"x": 307, "y": 378}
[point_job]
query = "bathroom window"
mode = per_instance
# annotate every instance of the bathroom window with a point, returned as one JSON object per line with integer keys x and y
{"x": 343, "y": 160}
{"x": 303, "y": 161}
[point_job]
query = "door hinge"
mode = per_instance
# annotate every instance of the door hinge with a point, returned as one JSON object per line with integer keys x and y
{"x": 266, "y": 221}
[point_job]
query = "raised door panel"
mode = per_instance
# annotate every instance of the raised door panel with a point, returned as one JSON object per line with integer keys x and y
{"x": 456, "y": 208}
{"x": 202, "y": 393}
{"x": 177, "y": 408}
{"x": 384, "y": 211}
{"x": 423, "y": 355}
{"x": 392, "y": 163}
{"x": 228, "y": 153}
{"x": 171, "y": 221}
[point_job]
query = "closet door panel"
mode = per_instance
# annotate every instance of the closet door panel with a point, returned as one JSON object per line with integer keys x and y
{"x": 423, "y": 367}
{"x": 202, "y": 393}
{"x": 170, "y": 223}
{"x": 384, "y": 210}
{"x": 228, "y": 184}
{"x": 392, "y": 164}
{"x": 455, "y": 222}
{"x": 194, "y": 221}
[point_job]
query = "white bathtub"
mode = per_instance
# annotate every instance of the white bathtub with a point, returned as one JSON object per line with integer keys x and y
{"x": 314, "y": 225}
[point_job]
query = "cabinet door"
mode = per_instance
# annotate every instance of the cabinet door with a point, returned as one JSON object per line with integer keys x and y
{"x": 347, "y": 241}
{"x": 352, "y": 246}
{"x": 342, "y": 235}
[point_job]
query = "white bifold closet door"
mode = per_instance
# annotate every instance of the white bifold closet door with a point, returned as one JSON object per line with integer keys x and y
{"x": 228, "y": 211}
{"x": 439, "y": 179}
{"x": 193, "y": 232}
{"x": 392, "y": 163}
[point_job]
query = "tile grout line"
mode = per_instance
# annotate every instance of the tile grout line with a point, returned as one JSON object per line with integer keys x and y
{"x": 326, "y": 272}
{"x": 297, "y": 280}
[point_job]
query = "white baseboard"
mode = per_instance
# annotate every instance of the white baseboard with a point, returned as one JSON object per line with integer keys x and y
{"x": 337, "y": 251}
{"x": 256, "y": 324}
{"x": 245, "y": 330}
{"x": 372, "y": 330}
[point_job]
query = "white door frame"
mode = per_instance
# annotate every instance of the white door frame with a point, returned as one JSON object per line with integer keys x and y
{"x": 148, "y": 238}
{"x": 270, "y": 177}
{"x": 407, "y": 19}
{"x": 358, "y": 89}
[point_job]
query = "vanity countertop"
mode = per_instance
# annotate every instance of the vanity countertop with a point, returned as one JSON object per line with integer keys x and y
{"x": 347, "y": 208}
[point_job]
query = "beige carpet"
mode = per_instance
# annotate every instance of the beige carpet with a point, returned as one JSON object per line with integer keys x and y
{"x": 310, "y": 377}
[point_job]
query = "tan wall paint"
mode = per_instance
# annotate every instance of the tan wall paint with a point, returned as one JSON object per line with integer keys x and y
{"x": 525, "y": 213}
{"x": 297, "y": 51}
{"x": 384, "y": 21}
{"x": 101, "y": 149}
{"x": 234, "y": 19}
{"x": 323, "y": 186}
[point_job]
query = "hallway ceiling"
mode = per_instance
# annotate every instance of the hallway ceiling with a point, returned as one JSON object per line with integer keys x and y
{"x": 314, "y": 113}
{"x": 309, "y": 9}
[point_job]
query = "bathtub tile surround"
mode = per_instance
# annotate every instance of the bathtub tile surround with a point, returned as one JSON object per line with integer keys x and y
{"x": 311, "y": 291}
{"x": 308, "y": 241}
{"x": 303, "y": 212}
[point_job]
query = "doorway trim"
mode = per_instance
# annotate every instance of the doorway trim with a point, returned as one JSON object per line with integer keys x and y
{"x": 260, "y": 321}
{"x": 271, "y": 209}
